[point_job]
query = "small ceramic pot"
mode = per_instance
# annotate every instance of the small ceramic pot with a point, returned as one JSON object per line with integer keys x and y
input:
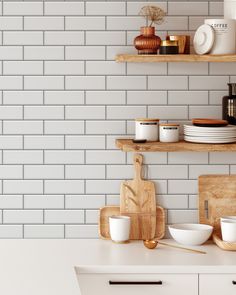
{"x": 119, "y": 227}
{"x": 147, "y": 42}
{"x": 228, "y": 230}
{"x": 169, "y": 132}
{"x": 146, "y": 129}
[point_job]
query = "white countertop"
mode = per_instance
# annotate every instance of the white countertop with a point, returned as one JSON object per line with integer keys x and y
{"x": 46, "y": 267}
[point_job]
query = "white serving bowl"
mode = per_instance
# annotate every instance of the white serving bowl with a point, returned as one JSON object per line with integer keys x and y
{"x": 190, "y": 234}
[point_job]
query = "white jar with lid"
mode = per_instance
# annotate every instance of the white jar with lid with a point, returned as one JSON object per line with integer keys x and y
{"x": 169, "y": 132}
{"x": 147, "y": 129}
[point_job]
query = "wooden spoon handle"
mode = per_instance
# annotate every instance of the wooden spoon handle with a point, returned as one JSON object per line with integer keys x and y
{"x": 183, "y": 248}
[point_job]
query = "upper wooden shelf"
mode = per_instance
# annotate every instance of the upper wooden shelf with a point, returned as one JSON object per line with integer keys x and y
{"x": 175, "y": 58}
{"x": 127, "y": 145}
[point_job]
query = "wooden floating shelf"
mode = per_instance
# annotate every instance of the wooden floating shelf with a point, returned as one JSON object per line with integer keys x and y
{"x": 175, "y": 58}
{"x": 127, "y": 145}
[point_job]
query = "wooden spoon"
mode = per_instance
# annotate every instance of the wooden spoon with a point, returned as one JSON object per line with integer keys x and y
{"x": 151, "y": 244}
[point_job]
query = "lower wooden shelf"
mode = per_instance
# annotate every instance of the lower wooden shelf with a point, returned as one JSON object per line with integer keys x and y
{"x": 127, "y": 145}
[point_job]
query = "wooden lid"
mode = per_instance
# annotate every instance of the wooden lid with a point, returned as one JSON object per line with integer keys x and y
{"x": 146, "y": 120}
{"x": 169, "y": 124}
{"x": 205, "y": 121}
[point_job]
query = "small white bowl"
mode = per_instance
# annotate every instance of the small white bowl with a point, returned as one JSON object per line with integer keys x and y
{"x": 190, "y": 234}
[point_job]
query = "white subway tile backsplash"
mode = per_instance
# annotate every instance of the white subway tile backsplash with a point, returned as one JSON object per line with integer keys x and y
{"x": 64, "y": 101}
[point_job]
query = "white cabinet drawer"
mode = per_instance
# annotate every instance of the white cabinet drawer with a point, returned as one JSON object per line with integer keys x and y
{"x": 138, "y": 284}
{"x": 217, "y": 284}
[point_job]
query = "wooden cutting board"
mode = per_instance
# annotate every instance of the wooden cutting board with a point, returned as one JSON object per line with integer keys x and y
{"x": 138, "y": 197}
{"x": 217, "y": 198}
{"x": 108, "y": 211}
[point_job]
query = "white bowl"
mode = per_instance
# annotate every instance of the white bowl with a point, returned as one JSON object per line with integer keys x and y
{"x": 190, "y": 234}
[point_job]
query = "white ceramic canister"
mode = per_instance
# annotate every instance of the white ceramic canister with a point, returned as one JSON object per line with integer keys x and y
{"x": 169, "y": 132}
{"x": 119, "y": 227}
{"x": 230, "y": 9}
{"x": 225, "y": 35}
{"x": 146, "y": 128}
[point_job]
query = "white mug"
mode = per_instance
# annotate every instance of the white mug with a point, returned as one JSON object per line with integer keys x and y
{"x": 119, "y": 227}
{"x": 228, "y": 230}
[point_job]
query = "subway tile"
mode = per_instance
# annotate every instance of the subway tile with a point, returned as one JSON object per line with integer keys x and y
{"x": 44, "y": 142}
{"x": 105, "y": 157}
{"x": 114, "y": 50}
{"x": 173, "y": 201}
{"x": 23, "y": 8}
{"x": 23, "y": 68}
{"x": 63, "y": 38}
{"x": 43, "y": 23}
{"x": 64, "y": 157}
{"x": 91, "y": 216}
{"x": 167, "y": 171}
{"x": 11, "y": 202}
{"x": 188, "y": 68}
{"x": 85, "y": 172}
{"x": 205, "y": 111}
{"x": 85, "y": 52}
{"x": 64, "y": 127}
{"x": 147, "y": 68}
{"x": 11, "y": 231}
{"x": 120, "y": 171}
{"x": 43, "y": 172}
{"x": 126, "y": 82}
{"x": 193, "y": 201}
{"x": 187, "y": 158}
{"x": 22, "y": 187}
{"x": 105, "y": 97}
{"x": 150, "y": 158}
{"x": 44, "y": 202}
{"x": 105, "y": 8}
{"x": 196, "y": 170}
{"x": 222, "y": 158}
{"x": 124, "y": 23}
{"x": 11, "y": 142}
{"x": 196, "y": 21}
{"x": 188, "y": 97}
{"x": 85, "y": 23}
{"x": 64, "y": 8}
{"x": 23, "y": 216}
{"x": 133, "y": 7}
{"x": 188, "y": 8}
{"x": 23, "y": 38}
{"x": 105, "y": 38}
{"x": 208, "y": 82}
{"x": 104, "y": 68}
{"x": 11, "y": 172}
{"x": 182, "y": 216}
{"x": 64, "y": 97}
{"x": 81, "y": 231}
{"x": 11, "y": 23}
{"x": 11, "y": 83}
{"x": 23, "y": 127}
{"x": 102, "y": 186}
{"x": 22, "y": 97}
{"x": 168, "y": 112}
{"x": 43, "y": 112}
{"x": 105, "y": 127}
{"x": 215, "y": 97}
{"x": 85, "y": 112}
{"x": 168, "y": 82}
{"x": 174, "y": 23}
{"x": 85, "y": 142}
{"x": 222, "y": 68}
{"x": 147, "y": 97}
{"x": 11, "y": 52}
{"x": 85, "y": 202}
{"x": 11, "y": 112}
{"x": 85, "y": 83}
{"x": 44, "y": 52}
{"x": 126, "y": 112}
{"x": 64, "y": 68}
{"x": 64, "y": 186}
{"x": 43, "y": 82}
{"x": 182, "y": 186}
{"x": 216, "y": 8}
{"x": 63, "y": 216}
{"x": 23, "y": 157}
{"x": 43, "y": 231}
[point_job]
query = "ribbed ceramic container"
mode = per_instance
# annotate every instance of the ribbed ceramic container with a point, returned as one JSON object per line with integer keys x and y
{"x": 147, "y": 42}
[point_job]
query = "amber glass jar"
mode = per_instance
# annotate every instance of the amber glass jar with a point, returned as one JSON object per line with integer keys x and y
{"x": 229, "y": 105}
{"x": 147, "y": 42}
{"x": 169, "y": 47}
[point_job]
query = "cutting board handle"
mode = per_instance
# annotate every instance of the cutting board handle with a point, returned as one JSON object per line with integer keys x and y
{"x": 138, "y": 161}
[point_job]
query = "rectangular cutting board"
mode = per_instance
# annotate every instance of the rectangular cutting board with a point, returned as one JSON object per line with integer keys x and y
{"x": 217, "y": 198}
{"x": 108, "y": 211}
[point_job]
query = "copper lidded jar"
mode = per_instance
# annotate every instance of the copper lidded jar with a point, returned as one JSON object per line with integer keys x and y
{"x": 147, "y": 42}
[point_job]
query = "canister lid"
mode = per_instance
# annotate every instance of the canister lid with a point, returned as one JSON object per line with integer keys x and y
{"x": 146, "y": 120}
{"x": 169, "y": 43}
{"x": 169, "y": 124}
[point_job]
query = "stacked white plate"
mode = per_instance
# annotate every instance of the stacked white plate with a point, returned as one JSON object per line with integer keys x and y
{"x": 225, "y": 134}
